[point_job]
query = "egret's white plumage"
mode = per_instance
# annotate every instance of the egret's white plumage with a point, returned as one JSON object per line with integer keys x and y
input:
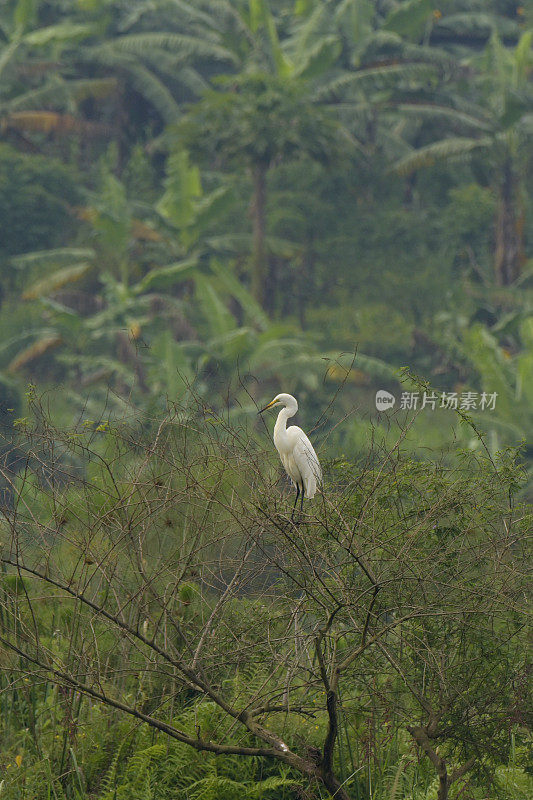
{"x": 295, "y": 450}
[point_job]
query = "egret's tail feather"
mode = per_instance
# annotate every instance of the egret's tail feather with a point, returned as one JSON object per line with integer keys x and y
{"x": 310, "y": 487}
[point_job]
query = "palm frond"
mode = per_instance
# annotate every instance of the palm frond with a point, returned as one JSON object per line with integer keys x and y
{"x": 154, "y": 90}
{"x": 305, "y": 33}
{"x": 438, "y": 151}
{"x": 433, "y": 111}
{"x": 429, "y": 54}
{"x": 194, "y": 14}
{"x": 62, "y": 32}
{"x": 143, "y": 43}
{"x": 193, "y": 80}
{"x": 224, "y": 11}
{"x": 59, "y": 94}
{"x": 476, "y": 24}
{"x": 381, "y": 76}
{"x": 340, "y": 367}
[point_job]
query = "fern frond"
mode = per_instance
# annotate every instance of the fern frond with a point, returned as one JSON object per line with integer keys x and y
{"x": 215, "y": 786}
{"x": 271, "y": 784}
{"x": 135, "y": 783}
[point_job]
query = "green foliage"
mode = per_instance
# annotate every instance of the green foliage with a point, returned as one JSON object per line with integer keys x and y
{"x": 191, "y": 489}
{"x": 410, "y": 18}
{"x": 265, "y": 118}
{"x": 37, "y": 188}
{"x": 159, "y": 160}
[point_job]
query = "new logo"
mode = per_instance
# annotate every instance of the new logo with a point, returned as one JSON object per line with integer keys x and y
{"x": 384, "y": 400}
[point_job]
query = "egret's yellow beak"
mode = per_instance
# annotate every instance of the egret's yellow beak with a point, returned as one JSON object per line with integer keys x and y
{"x": 265, "y": 408}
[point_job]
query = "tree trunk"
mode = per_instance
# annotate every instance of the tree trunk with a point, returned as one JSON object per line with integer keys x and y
{"x": 422, "y": 739}
{"x": 508, "y": 257}
{"x": 259, "y": 260}
{"x": 335, "y": 788}
{"x": 306, "y": 280}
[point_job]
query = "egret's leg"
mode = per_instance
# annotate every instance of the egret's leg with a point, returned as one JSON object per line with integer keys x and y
{"x": 296, "y": 500}
{"x": 302, "y": 501}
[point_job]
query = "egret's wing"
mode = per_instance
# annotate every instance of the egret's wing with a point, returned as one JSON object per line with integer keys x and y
{"x": 305, "y": 456}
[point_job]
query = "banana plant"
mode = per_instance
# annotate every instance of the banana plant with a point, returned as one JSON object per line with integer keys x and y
{"x": 511, "y": 377}
{"x": 498, "y": 123}
{"x": 308, "y": 86}
{"x": 156, "y": 329}
{"x": 48, "y": 100}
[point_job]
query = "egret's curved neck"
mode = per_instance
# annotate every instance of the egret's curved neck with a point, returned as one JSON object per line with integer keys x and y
{"x": 281, "y": 423}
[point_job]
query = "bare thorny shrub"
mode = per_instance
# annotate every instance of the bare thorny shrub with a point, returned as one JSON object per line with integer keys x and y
{"x": 155, "y": 567}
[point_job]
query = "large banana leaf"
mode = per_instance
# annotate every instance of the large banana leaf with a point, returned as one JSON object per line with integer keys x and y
{"x": 320, "y": 58}
{"x": 260, "y": 15}
{"x": 220, "y": 321}
{"x": 35, "y": 350}
{"x": 51, "y": 283}
{"x": 164, "y": 277}
{"x": 249, "y": 305}
{"x": 56, "y": 258}
{"x": 409, "y": 18}
{"x": 62, "y": 32}
{"x": 170, "y": 368}
{"x": 234, "y": 347}
{"x": 496, "y": 373}
{"x": 524, "y": 365}
{"x": 61, "y": 94}
{"x": 447, "y": 148}
{"x": 52, "y": 122}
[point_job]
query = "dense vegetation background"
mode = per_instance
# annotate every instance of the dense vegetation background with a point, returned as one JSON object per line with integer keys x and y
{"x": 187, "y": 187}
{"x": 207, "y": 202}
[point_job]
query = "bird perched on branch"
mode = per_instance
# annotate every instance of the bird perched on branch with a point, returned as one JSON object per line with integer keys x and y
{"x": 295, "y": 450}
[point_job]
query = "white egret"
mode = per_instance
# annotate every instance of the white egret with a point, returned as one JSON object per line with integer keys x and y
{"x": 295, "y": 450}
